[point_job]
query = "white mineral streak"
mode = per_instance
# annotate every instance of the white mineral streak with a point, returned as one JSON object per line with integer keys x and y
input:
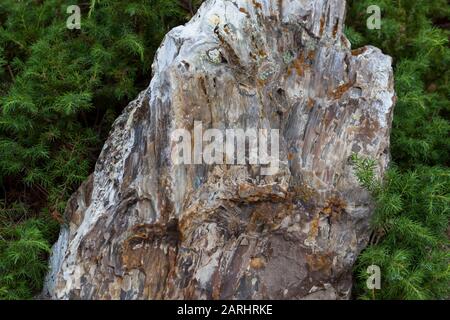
{"x": 143, "y": 228}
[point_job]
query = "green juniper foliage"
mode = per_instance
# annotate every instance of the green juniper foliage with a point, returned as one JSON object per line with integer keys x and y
{"x": 61, "y": 89}
{"x": 23, "y": 248}
{"x": 410, "y": 240}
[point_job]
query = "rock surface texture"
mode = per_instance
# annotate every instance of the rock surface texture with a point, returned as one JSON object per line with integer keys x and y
{"x": 143, "y": 228}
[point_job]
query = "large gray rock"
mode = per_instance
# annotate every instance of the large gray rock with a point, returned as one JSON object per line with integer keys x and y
{"x": 144, "y": 228}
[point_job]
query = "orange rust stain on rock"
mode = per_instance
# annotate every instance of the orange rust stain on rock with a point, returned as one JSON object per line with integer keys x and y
{"x": 339, "y": 91}
{"x": 257, "y": 263}
{"x": 260, "y": 218}
{"x": 322, "y": 26}
{"x": 243, "y": 10}
{"x": 257, "y": 5}
{"x": 262, "y": 53}
{"x": 310, "y": 103}
{"x": 300, "y": 65}
{"x": 335, "y": 29}
{"x": 319, "y": 262}
{"x": 314, "y": 228}
{"x": 302, "y": 192}
{"x": 358, "y": 51}
{"x": 268, "y": 216}
{"x": 253, "y": 193}
{"x": 334, "y": 207}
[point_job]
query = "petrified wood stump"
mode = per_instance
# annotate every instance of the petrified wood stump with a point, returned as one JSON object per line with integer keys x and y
{"x": 144, "y": 228}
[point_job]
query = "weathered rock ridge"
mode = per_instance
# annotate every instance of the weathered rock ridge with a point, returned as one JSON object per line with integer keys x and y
{"x": 143, "y": 228}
